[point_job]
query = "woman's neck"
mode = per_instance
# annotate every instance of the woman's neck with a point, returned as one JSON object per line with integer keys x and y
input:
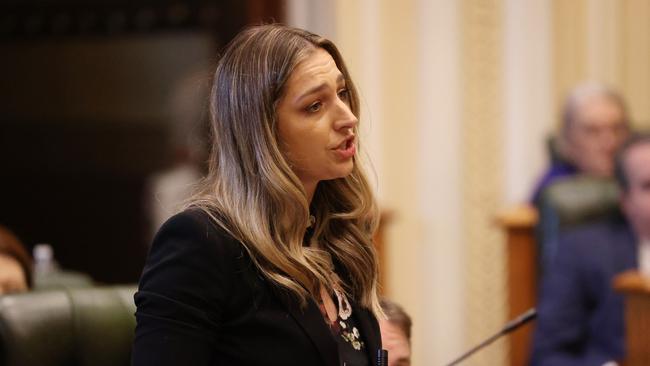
{"x": 310, "y": 189}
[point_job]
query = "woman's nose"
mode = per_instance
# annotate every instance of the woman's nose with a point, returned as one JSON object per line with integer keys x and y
{"x": 345, "y": 117}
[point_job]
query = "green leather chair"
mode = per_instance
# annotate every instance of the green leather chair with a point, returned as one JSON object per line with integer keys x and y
{"x": 68, "y": 327}
{"x": 61, "y": 279}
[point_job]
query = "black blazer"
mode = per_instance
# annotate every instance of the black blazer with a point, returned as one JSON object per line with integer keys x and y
{"x": 201, "y": 301}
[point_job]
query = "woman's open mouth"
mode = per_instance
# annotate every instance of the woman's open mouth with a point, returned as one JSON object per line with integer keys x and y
{"x": 347, "y": 148}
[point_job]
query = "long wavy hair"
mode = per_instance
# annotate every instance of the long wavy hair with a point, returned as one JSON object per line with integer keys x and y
{"x": 251, "y": 191}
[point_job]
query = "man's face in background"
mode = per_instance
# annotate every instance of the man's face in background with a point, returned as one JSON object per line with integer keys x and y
{"x": 396, "y": 343}
{"x": 636, "y": 200}
{"x": 596, "y": 131}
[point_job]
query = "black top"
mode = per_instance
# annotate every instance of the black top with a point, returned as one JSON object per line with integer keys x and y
{"x": 201, "y": 301}
{"x": 351, "y": 343}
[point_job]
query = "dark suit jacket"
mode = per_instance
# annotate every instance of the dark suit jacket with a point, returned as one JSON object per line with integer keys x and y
{"x": 580, "y": 316}
{"x": 201, "y": 301}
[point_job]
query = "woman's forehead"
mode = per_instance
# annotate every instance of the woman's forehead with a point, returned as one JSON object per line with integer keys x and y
{"x": 317, "y": 70}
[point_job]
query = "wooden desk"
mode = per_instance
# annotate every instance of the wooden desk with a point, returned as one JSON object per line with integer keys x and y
{"x": 636, "y": 290}
{"x": 518, "y": 224}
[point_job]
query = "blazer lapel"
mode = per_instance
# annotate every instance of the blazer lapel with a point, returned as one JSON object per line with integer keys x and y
{"x": 369, "y": 331}
{"x": 311, "y": 321}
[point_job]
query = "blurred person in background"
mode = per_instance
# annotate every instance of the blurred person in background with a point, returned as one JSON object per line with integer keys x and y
{"x": 396, "y": 333}
{"x": 594, "y": 124}
{"x": 15, "y": 264}
{"x": 168, "y": 190}
{"x": 580, "y": 319}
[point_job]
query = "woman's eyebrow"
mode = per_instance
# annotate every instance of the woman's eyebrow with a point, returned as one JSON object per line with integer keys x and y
{"x": 319, "y": 88}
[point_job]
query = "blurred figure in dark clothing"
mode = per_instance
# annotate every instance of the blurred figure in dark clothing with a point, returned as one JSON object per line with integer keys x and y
{"x": 580, "y": 315}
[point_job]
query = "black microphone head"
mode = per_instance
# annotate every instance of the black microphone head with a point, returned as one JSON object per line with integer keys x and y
{"x": 522, "y": 319}
{"x": 382, "y": 357}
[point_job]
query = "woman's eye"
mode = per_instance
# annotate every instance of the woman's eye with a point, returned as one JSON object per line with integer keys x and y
{"x": 344, "y": 94}
{"x": 314, "y": 107}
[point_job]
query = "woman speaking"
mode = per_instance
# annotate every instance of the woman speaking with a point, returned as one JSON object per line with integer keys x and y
{"x": 272, "y": 261}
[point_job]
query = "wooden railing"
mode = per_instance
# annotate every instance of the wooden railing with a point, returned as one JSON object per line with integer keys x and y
{"x": 636, "y": 290}
{"x": 518, "y": 224}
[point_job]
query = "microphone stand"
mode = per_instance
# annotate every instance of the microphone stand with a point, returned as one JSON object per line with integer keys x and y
{"x": 510, "y": 326}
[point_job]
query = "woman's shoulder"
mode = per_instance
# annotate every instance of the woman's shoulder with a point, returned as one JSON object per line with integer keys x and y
{"x": 190, "y": 272}
{"x": 194, "y": 234}
{"x": 193, "y": 218}
{"x": 197, "y": 224}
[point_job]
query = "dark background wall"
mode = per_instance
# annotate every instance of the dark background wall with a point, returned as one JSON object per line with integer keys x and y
{"x": 86, "y": 115}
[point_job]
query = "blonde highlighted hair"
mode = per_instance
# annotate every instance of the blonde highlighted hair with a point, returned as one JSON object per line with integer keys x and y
{"x": 251, "y": 190}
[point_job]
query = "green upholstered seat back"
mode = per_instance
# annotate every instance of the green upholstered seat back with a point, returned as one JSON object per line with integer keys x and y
{"x": 68, "y": 327}
{"x": 580, "y": 199}
{"x": 568, "y": 203}
{"x": 61, "y": 279}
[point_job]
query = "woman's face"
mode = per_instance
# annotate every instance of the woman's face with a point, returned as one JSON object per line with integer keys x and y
{"x": 315, "y": 123}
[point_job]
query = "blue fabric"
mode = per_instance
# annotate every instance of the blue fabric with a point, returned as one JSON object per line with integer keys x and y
{"x": 548, "y": 233}
{"x": 548, "y": 228}
{"x": 581, "y": 320}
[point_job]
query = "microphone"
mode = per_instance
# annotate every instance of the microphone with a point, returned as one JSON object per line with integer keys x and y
{"x": 382, "y": 357}
{"x": 522, "y": 319}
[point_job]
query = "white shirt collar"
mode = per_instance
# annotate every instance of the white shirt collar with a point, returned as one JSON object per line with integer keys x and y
{"x": 644, "y": 257}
